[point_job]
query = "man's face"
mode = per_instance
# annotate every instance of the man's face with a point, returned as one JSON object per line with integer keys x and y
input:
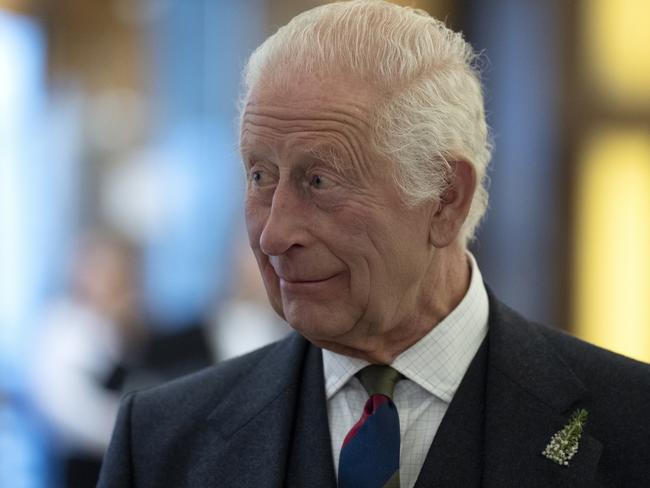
{"x": 341, "y": 256}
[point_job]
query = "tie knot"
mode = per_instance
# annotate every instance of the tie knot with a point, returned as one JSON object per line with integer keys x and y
{"x": 379, "y": 379}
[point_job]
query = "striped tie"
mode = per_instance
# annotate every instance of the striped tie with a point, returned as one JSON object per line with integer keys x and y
{"x": 370, "y": 453}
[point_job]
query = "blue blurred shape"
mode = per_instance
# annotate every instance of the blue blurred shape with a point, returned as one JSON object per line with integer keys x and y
{"x": 22, "y": 95}
{"x": 197, "y": 49}
{"x": 519, "y": 241}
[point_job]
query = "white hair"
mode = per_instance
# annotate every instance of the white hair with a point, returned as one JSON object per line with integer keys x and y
{"x": 431, "y": 111}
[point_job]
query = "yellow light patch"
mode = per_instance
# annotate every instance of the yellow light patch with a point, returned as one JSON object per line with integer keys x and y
{"x": 612, "y": 254}
{"x": 617, "y": 43}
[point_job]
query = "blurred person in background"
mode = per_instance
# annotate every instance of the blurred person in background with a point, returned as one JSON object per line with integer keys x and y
{"x": 97, "y": 342}
{"x": 365, "y": 145}
{"x": 87, "y": 337}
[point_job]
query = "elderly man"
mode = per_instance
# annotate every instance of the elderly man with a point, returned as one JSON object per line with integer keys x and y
{"x": 364, "y": 141}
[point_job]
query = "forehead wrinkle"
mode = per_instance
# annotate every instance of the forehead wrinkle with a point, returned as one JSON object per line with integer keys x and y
{"x": 314, "y": 143}
{"x": 287, "y": 115}
{"x": 262, "y": 125}
{"x": 348, "y": 130}
{"x": 278, "y": 143}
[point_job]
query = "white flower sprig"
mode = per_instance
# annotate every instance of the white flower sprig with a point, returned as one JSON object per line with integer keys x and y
{"x": 564, "y": 444}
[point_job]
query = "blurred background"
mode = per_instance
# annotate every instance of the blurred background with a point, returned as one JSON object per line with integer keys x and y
{"x": 123, "y": 261}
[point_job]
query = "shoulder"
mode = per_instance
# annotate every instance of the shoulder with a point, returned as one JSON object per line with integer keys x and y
{"x": 568, "y": 373}
{"x": 599, "y": 368}
{"x": 595, "y": 364}
{"x": 616, "y": 388}
{"x": 196, "y": 396}
{"x": 618, "y": 399}
{"x": 165, "y": 432}
{"x": 203, "y": 389}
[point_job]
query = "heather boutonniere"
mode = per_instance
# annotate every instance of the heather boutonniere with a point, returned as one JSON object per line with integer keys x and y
{"x": 564, "y": 443}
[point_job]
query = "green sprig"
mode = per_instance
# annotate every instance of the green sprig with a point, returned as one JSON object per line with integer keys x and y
{"x": 564, "y": 444}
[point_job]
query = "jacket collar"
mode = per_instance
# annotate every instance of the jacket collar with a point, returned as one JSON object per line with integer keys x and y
{"x": 274, "y": 378}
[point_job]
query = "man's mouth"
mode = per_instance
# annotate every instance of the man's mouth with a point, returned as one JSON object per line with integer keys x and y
{"x": 305, "y": 280}
{"x": 305, "y": 284}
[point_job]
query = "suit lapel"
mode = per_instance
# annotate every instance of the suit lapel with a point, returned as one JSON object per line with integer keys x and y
{"x": 530, "y": 395}
{"x": 253, "y": 424}
{"x": 456, "y": 454}
{"x": 310, "y": 461}
{"x": 277, "y": 432}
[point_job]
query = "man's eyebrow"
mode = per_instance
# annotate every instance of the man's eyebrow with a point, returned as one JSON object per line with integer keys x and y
{"x": 250, "y": 150}
{"x": 250, "y": 157}
{"x": 246, "y": 154}
{"x": 330, "y": 154}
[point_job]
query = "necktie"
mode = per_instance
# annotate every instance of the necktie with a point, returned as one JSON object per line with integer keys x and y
{"x": 370, "y": 454}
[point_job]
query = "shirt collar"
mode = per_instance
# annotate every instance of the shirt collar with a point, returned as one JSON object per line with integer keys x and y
{"x": 438, "y": 361}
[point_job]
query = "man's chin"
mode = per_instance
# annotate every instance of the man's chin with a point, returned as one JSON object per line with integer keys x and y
{"x": 319, "y": 326}
{"x": 338, "y": 348}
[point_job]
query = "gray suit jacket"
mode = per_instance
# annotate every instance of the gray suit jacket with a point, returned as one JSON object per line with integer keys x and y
{"x": 261, "y": 420}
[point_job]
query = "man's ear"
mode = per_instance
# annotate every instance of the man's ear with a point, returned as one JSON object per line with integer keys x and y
{"x": 453, "y": 205}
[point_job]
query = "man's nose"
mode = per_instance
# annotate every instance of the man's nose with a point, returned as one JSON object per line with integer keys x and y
{"x": 284, "y": 228}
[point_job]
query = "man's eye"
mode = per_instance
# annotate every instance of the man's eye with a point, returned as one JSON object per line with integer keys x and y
{"x": 319, "y": 182}
{"x": 259, "y": 178}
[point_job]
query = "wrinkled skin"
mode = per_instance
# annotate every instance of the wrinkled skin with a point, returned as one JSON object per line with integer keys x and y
{"x": 344, "y": 260}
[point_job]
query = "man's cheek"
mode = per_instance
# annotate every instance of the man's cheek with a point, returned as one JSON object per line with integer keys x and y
{"x": 254, "y": 233}
{"x": 272, "y": 285}
{"x": 255, "y": 221}
{"x": 269, "y": 276}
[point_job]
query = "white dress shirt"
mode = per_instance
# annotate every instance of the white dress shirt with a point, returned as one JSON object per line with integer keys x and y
{"x": 433, "y": 368}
